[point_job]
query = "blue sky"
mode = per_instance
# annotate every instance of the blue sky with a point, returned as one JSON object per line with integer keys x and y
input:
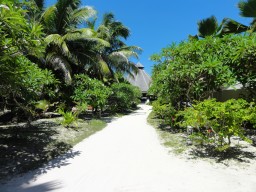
{"x": 156, "y": 24}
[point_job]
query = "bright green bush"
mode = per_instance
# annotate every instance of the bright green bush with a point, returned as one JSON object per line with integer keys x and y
{"x": 22, "y": 82}
{"x": 194, "y": 70}
{"x": 164, "y": 111}
{"x": 124, "y": 96}
{"x": 90, "y": 91}
{"x": 69, "y": 118}
{"x": 190, "y": 71}
{"x": 216, "y": 122}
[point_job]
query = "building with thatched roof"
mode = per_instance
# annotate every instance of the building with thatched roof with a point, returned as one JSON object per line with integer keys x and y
{"x": 141, "y": 79}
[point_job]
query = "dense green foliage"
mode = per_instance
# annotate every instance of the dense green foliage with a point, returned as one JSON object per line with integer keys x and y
{"x": 190, "y": 71}
{"x": 43, "y": 49}
{"x": 124, "y": 97}
{"x": 187, "y": 75}
{"x": 164, "y": 111}
{"x": 22, "y": 81}
{"x": 59, "y": 55}
{"x": 216, "y": 121}
{"x": 91, "y": 91}
{"x": 194, "y": 70}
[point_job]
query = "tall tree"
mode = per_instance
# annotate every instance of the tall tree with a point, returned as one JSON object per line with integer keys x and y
{"x": 116, "y": 57}
{"x": 69, "y": 48}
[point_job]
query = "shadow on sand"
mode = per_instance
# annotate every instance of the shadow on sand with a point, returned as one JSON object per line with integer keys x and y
{"x": 236, "y": 153}
{"x": 23, "y": 149}
{"x": 44, "y": 187}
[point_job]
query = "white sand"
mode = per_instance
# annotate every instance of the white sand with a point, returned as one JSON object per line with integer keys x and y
{"x": 127, "y": 157}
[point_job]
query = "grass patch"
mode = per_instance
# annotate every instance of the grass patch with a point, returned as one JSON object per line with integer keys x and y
{"x": 23, "y": 149}
{"x": 86, "y": 129}
{"x": 170, "y": 138}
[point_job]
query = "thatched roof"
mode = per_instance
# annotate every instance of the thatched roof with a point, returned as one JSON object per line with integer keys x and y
{"x": 141, "y": 79}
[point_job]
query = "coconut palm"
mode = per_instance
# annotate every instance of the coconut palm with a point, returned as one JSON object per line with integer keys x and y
{"x": 116, "y": 57}
{"x": 73, "y": 51}
{"x": 69, "y": 48}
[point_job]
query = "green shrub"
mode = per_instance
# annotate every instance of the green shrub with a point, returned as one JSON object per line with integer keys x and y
{"x": 164, "y": 111}
{"x": 90, "y": 91}
{"x": 124, "y": 96}
{"x": 216, "y": 122}
{"x": 69, "y": 118}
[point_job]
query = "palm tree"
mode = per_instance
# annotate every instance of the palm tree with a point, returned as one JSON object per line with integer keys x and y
{"x": 211, "y": 27}
{"x": 99, "y": 52}
{"x": 69, "y": 48}
{"x": 116, "y": 57}
{"x": 248, "y": 9}
{"x": 208, "y": 27}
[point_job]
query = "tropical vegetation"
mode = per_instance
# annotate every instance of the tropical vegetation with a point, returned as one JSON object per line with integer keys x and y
{"x": 55, "y": 61}
{"x": 58, "y": 55}
{"x": 189, "y": 75}
{"x": 63, "y": 59}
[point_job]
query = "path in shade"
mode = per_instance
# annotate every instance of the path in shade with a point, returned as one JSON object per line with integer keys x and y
{"x": 127, "y": 157}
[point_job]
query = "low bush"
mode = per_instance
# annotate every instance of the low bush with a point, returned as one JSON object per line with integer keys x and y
{"x": 69, "y": 118}
{"x": 216, "y": 122}
{"x": 164, "y": 111}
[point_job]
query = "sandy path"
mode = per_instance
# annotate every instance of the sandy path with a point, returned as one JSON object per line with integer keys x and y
{"x": 127, "y": 157}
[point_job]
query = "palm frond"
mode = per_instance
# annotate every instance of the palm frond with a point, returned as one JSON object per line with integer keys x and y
{"x": 91, "y": 23}
{"x": 108, "y": 18}
{"x": 104, "y": 32}
{"x": 252, "y": 27}
{"x": 129, "y": 68}
{"x": 232, "y": 26}
{"x": 40, "y": 4}
{"x": 118, "y": 57}
{"x": 118, "y": 29}
{"x": 85, "y": 35}
{"x": 54, "y": 38}
{"x": 247, "y": 8}
{"x": 130, "y": 54}
{"x": 60, "y": 63}
{"x": 48, "y": 18}
{"x": 132, "y": 69}
{"x": 135, "y": 49}
{"x": 59, "y": 41}
{"x": 117, "y": 43}
{"x": 74, "y": 4}
{"x": 120, "y": 63}
{"x": 79, "y": 34}
{"x": 64, "y": 10}
{"x": 207, "y": 27}
{"x": 104, "y": 68}
{"x": 81, "y": 15}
